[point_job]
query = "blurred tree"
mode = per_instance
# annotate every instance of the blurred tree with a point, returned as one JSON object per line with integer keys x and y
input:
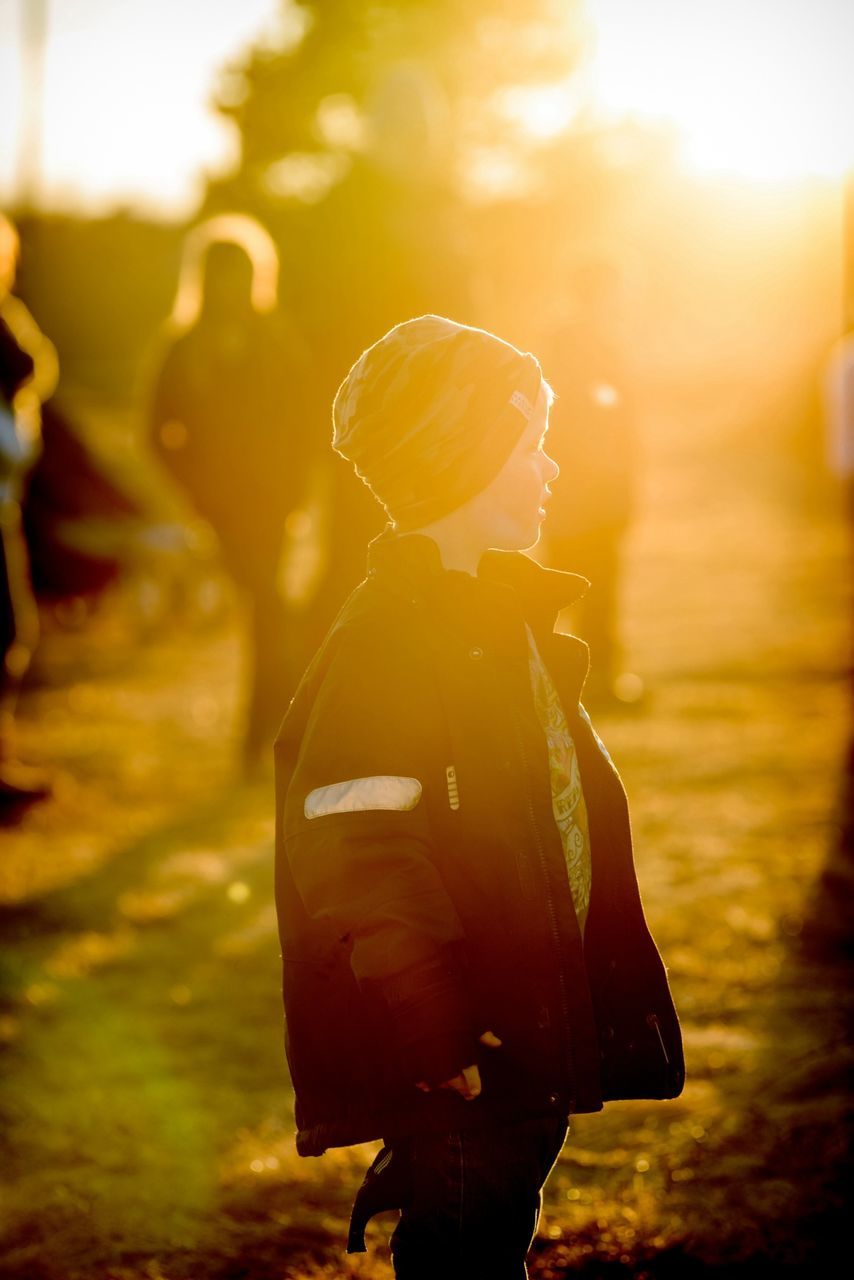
{"x": 362, "y": 131}
{"x": 303, "y": 100}
{"x": 507, "y": 137}
{"x": 411, "y": 158}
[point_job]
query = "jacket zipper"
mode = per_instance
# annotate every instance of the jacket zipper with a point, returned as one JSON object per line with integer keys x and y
{"x": 652, "y": 1021}
{"x": 552, "y": 914}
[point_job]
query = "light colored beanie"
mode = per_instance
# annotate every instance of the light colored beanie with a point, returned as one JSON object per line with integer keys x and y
{"x": 430, "y": 413}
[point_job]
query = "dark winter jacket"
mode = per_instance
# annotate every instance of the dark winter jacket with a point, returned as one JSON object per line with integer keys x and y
{"x": 429, "y": 901}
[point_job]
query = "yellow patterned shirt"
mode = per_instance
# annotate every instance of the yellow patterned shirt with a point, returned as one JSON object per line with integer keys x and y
{"x": 568, "y": 805}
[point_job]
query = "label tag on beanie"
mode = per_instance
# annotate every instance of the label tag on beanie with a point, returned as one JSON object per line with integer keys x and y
{"x": 522, "y": 403}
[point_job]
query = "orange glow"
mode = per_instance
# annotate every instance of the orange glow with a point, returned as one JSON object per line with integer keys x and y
{"x": 760, "y": 89}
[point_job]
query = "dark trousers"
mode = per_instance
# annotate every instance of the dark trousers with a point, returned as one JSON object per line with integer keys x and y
{"x": 469, "y": 1201}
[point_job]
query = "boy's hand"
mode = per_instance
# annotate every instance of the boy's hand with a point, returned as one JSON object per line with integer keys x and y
{"x": 467, "y": 1083}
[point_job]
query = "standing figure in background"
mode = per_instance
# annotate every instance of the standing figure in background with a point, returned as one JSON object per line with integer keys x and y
{"x": 28, "y": 374}
{"x": 228, "y": 422}
{"x": 828, "y": 931}
{"x": 838, "y": 388}
{"x": 594, "y": 441}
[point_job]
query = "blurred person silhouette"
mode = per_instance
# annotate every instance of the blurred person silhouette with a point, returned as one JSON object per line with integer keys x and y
{"x": 76, "y": 518}
{"x": 838, "y": 397}
{"x": 465, "y": 957}
{"x": 828, "y": 929}
{"x": 594, "y": 438}
{"x": 28, "y": 374}
{"x": 388, "y": 241}
{"x": 228, "y": 421}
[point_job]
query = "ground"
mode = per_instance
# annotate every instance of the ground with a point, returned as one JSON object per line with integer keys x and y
{"x": 147, "y": 1111}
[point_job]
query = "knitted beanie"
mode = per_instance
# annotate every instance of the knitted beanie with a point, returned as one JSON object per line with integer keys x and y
{"x": 431, "y": 412}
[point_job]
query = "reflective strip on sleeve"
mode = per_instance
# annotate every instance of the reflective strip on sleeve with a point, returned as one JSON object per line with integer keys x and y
{"x": 382, "y": 792}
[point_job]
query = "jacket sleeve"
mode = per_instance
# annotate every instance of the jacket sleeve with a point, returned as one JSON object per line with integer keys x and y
{"x": 358, "y": 843}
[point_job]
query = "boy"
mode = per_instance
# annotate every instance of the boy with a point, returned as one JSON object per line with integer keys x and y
{"x": 466, "y": 960}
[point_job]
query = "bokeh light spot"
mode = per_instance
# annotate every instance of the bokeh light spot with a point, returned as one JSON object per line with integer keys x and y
{"x": 173, "y": 435}
{"x": 39, "y": 993}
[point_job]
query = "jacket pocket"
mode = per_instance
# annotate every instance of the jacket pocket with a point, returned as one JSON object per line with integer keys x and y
{"x": 641, "y": 1057}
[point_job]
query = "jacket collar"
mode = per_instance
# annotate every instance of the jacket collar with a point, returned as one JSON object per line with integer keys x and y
{"x": 414, "y": 561}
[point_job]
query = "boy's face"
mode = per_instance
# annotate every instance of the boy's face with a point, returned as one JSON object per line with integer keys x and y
{"x": 511, "y": 509}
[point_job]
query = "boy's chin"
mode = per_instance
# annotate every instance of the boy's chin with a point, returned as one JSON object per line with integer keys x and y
{"x": 531, "y": 533}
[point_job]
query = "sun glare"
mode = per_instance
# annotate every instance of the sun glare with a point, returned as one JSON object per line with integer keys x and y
{"x": 761, "y": 89}
{"x": 542, "y": 112}
{"x": 755, "y": 89}
{"x": 125, "y": 102}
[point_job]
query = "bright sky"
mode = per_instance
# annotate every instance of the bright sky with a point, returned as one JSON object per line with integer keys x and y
{"x": 762, "y": 89}
{"x": 759, "y": 89}
{"x": 127, "y": 83}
